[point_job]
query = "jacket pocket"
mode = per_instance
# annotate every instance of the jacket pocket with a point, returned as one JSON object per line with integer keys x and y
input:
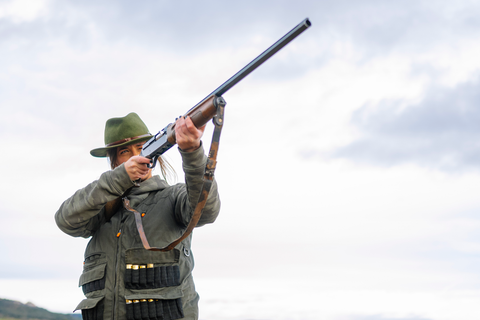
{"x": 92, "y": 308}
{"x": 140, "y": 255}
{"x": 93, "y": 279}
{"x": 150, "y": 306}
{"x": 94, "y": 259}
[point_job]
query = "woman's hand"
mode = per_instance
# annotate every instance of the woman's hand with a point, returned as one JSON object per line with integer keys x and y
{"x": 137, "y": 168}
{"x": 188, "y": 136}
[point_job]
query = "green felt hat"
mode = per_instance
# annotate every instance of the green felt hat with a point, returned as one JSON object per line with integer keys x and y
{"x": 121, "y": 132}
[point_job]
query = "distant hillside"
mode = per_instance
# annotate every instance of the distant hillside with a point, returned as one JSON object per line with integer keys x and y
{"x": 16, "y": 310}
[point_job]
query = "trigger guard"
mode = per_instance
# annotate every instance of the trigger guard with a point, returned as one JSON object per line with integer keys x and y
{"x": 152, "y": 163}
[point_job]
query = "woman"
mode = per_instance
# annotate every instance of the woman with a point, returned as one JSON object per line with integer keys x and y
{"x": 121, "y": 279}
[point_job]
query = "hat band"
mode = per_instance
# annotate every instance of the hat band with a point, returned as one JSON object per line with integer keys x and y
{"x": 127, "y": 139}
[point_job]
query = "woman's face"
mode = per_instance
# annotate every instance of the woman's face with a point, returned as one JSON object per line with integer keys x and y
{"x": 126, "y": 152}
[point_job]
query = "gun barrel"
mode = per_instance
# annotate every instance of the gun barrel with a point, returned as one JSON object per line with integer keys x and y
{"x": 255, "y": 63}
{"x": 302, "y": 26}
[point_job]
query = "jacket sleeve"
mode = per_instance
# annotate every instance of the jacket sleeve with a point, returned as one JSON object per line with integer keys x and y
{"x": 79, "y": 215}
{"x": 187, "y": 198}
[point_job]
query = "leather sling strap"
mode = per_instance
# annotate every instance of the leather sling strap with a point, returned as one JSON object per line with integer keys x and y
{"x": 207, "y": 184}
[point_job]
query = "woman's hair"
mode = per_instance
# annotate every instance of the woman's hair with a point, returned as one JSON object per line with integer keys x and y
{"x": 165, "y": 167}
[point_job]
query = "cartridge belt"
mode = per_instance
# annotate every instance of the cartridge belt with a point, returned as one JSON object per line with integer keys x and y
{"x": 154, "y": 309}
{"x": 150, "y": 277}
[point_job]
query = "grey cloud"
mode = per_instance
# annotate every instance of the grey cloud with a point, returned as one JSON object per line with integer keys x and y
{"x": 442, "y": 131}
{"x": 160, "y": 24}
{"x": 376, "y": 26}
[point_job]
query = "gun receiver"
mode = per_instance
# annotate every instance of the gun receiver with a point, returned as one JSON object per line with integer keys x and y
{"x": 207, "y": 108}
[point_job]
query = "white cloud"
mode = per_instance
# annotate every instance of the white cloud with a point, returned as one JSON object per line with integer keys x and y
{"x": 20, "y": 11}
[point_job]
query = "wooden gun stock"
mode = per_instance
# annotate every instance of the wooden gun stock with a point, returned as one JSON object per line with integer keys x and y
{"x": 200, "y": 115}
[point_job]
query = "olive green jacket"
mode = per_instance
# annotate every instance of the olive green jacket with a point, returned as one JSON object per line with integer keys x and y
{"x": 166, "y": 287}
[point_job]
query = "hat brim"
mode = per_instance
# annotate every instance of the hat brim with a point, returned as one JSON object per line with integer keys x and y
{"x": 102, "y": 152}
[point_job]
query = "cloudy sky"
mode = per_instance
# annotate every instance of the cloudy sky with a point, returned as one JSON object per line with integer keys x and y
{"x": 349, "y": 164}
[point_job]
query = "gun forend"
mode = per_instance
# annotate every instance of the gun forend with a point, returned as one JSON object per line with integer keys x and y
{"x": 200, "y": 115}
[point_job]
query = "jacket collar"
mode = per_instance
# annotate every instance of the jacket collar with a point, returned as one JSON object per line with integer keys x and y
{"x": 140, "y": 193}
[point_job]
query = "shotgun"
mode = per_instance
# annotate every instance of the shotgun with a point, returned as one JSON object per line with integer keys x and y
{"x": 206, "y": 109}
{"x": 212, "y": 107}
